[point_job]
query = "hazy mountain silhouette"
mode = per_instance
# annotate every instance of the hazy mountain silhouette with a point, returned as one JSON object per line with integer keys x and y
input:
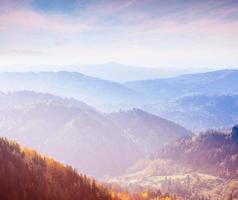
{"x": 199, "y": 112}
{"x": 216, "y": 82}
{"x": 121, "y": 73}
{"x": 70, "y": 84}
{"x": 75, "y": 133}
{"x": 197, "y": 101}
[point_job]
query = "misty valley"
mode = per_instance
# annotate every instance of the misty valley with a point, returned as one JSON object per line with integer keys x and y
{"x": 118, "y": 99}
{"x": 126, "y": 136}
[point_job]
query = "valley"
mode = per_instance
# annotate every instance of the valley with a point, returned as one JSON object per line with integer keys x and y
{"x": 131, "y": 150}
{"x": 118, "y": 100}
{"x": 197, "y": 167}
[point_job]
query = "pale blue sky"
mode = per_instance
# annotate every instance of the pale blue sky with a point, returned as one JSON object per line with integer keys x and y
{"x": 153, "y": 33}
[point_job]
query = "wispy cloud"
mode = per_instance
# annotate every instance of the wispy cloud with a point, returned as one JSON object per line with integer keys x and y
{"x": 150, "y": 31}
{"x": 30, "y": 20}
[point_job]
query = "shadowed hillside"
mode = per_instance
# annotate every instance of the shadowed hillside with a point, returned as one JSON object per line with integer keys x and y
{"x": 212, "y": 152}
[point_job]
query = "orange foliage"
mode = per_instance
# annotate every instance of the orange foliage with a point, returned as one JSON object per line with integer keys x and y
{"x": 27, "y": 175}
{"x": 145, "y": 195}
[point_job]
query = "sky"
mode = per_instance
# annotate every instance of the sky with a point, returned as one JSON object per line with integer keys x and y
{"x": 154, "y": 33}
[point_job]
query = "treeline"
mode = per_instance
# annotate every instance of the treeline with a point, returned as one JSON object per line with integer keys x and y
{"x": 211, "y": 152}
{"x": 138, "y": 193}
{"x": 25, "y": 175}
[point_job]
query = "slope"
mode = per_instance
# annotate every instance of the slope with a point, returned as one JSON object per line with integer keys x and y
{"x": 27, "y": 175}
{"x": 95, "y": 91}
{"x": 77, "y": 134}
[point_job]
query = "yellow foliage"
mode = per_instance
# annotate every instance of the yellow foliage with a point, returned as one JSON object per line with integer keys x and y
{"x": 124, "y": 196}
{"x": 145, "y": 194}
{"x": 120, "y": 196}
{"x": 166, "y": 198}
{"x": 113, "y": 195}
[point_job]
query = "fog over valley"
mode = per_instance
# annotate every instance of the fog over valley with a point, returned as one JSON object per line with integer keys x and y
{"x": 118, "y": 100}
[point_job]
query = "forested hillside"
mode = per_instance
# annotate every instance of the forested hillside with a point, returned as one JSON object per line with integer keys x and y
{"x": 212, "y": 152}
{"x": 27, "y": 175}
{"x": 200, "y": 167}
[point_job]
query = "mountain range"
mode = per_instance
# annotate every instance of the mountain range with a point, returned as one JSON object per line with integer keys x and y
{"x": 196, "y": 101}
{"x": 121, "y": 73}
{"x": 139, "y": 142}
{"x": 118, "y": 72}
{"x": 92, "y": 90}
{"x": 220, "y": 82}
{"x": 76, "y": 133}
{"x": 200, "y": 112}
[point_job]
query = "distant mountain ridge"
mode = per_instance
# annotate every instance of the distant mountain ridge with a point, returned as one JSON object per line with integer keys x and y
{"x": 121, "y": 73}
{"x": 70, "y": 84}
{"x": 176, "y": 99}
{"x": 196, "y": 101}
{"x": 209, "y": 83}
{"x": 197, "y": 112}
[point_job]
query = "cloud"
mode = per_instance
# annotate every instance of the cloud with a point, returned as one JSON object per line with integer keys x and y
{"x": 132, "y": 31}
{"x": 23, "y": 19}
{"x": 25, "y": 52}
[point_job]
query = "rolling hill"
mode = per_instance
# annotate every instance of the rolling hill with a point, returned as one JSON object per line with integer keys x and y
{"x": 194, "y": 167}
{"x": 149, "y": 131}
{"x": 99, "y": 144}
